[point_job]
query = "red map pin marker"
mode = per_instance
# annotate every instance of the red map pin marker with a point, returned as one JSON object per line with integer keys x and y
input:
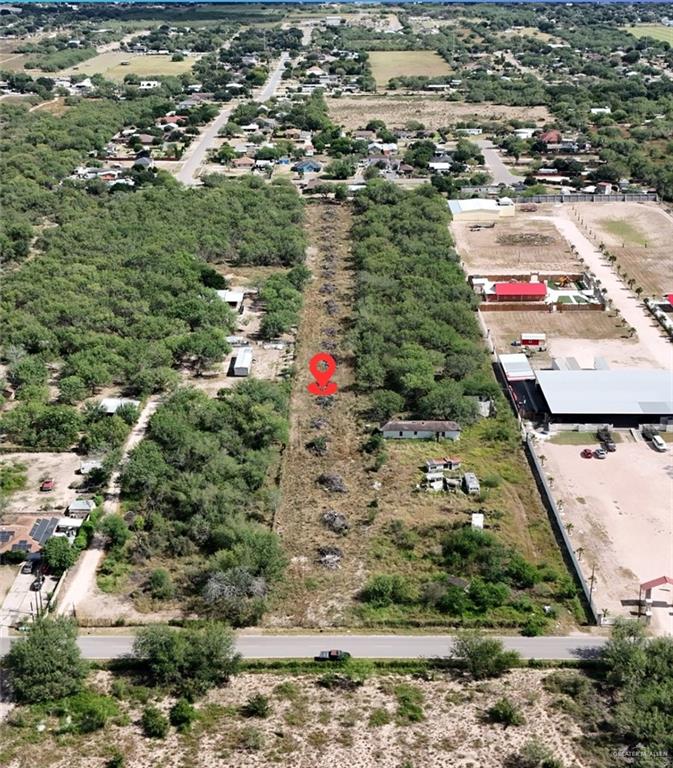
{"x": 322, "y": 385}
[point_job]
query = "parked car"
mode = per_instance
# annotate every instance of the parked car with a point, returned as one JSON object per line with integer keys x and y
{"x": 587, "y": 453}
{"x": 658, "y": 443}
{"x": 28, "y": 566}
{"x": 332, "y": 656}
{"x": 599, "y": 453}
{"x": 36, "y": 586}
{"x": 609, "y": 446}
{"x": 47, "y": 485}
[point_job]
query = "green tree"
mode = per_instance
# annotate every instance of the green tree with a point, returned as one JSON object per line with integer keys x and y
{"x": 483, "y": 656}
{"x": 59, "y": 554}
{"x": 46, "y": 664}
{"x": 116, "y": 530}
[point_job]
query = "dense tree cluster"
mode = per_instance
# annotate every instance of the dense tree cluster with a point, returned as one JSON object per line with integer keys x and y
{"x": 281, "y": 294}
{"x": 415, "y": 334}
{"x": 198, "y": 484}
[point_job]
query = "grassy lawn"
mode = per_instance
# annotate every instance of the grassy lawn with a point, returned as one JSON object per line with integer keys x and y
{"x": 580, "y": 438}
{"x": 388, "y": 64}
{"x": 657, "y": 31}
{"x": 624, "y": 230}
{"x": 110, "y": 66}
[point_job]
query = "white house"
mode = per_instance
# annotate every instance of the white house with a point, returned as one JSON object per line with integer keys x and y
{"x": 86, "y": 467}
{"x": 149, "y": 85}
{"x": 233, "y": 298}
{"x": 421, "y": 430}
{"x": 111, "y": 405}
{"x": 81, "y": 508}
{"x": 243, "y": 362}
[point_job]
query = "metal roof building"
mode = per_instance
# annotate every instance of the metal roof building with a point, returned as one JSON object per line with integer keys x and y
{"x": 516, "y": 367}
{"x": 618, "y": 395}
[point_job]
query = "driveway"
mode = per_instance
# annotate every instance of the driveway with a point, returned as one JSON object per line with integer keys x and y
{"x": 21, "y": 602}
{"x": 632, "y": 310}
{"x": 498, "y": 170}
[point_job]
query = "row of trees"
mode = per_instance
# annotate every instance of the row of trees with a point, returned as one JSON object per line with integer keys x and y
{"x": 416, "y": 338}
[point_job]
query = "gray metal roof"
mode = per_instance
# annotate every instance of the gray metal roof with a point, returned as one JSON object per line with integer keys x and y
{"x": 616, "y": 391}
{"x": 516, "y": 367}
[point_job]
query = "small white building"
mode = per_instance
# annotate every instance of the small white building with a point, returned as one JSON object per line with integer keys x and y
{"x": 481, "y": 209}
{"x": 111, "y": 405}
{"x": 86, "y": 467}
{"x": 233, "y": 298}
{"x": 471, "y": 484}
{"x": 81, "y": 508}
{"x": 421, "y": 430}
{"x": 243, "y": 362}
{"x": 149, "y": 85}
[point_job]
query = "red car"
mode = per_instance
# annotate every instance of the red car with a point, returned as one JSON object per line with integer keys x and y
{"x": 587, "y": 453}
{"x": 47, "y": 485}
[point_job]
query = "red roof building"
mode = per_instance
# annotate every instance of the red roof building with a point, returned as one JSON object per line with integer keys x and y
{"x": 550, "y": 137}
{"x": 520, "y": 291}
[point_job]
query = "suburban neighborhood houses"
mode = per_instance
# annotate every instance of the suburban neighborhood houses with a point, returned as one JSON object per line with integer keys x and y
{"x": 336, "y": 384}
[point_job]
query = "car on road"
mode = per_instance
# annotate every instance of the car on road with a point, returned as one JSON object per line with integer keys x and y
{"x": 609, "y": 446}
{"x": 332, "y": 656}
{"x": 29, "y": 566}
{"x": 36, "y": 586}
{"x": 587, "y": 453}
{"x": 47, "y": 485}
{"x": 658, "y": 443}
{"x": 599, "y": 453}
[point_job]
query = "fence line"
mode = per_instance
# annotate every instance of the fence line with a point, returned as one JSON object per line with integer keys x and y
{"x": 536, "y": 466}
{"x": 586, "y": 198}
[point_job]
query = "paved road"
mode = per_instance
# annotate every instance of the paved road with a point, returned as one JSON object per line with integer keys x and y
{"x": 498, "y": 170}
{"x": 196, "y": 153}
{"x": 361, "y": 646}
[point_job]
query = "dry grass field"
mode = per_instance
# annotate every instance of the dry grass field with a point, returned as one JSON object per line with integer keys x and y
{"x": 656, "y": 31}
{"x": 367, "y": 727}
{"x": 527, "y": 242}
{"x": 396, "y": 111}
{"x": 582, "y": 335}
{"x": 389, "y": 64}
{"x": 110, "y": 66}
{"x": 640, "y": 236}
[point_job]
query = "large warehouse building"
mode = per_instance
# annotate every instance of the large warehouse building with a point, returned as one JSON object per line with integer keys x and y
{"x": 623, "y": 397}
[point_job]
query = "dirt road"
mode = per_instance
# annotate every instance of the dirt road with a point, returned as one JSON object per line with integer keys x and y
{"x": 650, "y": 337}
{"x": 81, "y": 580}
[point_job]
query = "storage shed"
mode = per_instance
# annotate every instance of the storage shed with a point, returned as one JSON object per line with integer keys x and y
{"x": 243, "y": 362}
{"x": 421, "y": 430}
{"x": 481, "y": 209}
{"x": 233, "y": 298}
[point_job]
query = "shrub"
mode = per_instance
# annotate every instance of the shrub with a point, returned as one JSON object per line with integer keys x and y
{"x": 571, "y": 684}
{"x": 379, "y": 716}
{"x": 251, "y": 739}
{"x": 161, "y": 585}
{"x": 256, "y": 706}
{"x": 409, "y": 704}
{"x": 88, "y": 711}
{"x": 505, "y": 712}
{"x": 387, "y": 589}
{"x": 117, "y": 760}
{"x": 483, "y": 656}
{"x": 534, "y": 626}
{"x": 154, "y": 723}
{"x": 182, "y": 715}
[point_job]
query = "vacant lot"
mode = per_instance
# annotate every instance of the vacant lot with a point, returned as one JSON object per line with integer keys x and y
{"x": 657, "y": 31}
{"x": 640, "y": 236}
{"x": 618, "y": 515}
{"x": 582, "y": 335}
{"x": 365, "y": 727}
{"x": 389, "y": 64}
{"x": 525, "y": 243}
{"x": 39, "y": 466}
{"x": 397, "y": 111}
{"x": 110, "y": 66}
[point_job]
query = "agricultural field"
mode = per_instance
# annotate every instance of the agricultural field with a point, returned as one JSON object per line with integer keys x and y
{"x": 521, "y": 244}
{"x": 656, "y": 31}
{"x": 10, "y": 61}
{"x": 582, "y": 335}
{"x": 396, "y": 111}
{"x": 110, "y": 65}
{"x": 389, "y": 64}
{"x": 639, "y": 235}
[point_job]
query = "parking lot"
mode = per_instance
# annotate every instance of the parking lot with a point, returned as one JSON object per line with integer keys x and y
{"x": 618, "y": 515}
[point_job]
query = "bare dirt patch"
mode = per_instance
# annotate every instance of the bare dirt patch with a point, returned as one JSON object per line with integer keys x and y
{"x": 582, "y": 335}
{"x": 618, "y": 515}
{"x": 354, "y": 112}
{"x": 61, "y": 467}
{"x": 307, "y": 720}
{"x": 639, "y": 235}
{"x": 526, "y": 243}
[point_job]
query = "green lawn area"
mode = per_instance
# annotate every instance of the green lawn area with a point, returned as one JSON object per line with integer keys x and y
{"x": 657, "y": 31}
{"x": 623, "y": 229}
{"x": 581, "y": 438}
{"x": 388, "y": 64}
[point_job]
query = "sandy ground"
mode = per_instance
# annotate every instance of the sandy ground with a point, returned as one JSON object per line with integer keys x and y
{"x": 639, "y": 235}
{"x": 310, "y": 726}
{"x": 619, "y": 511}
{"x": 650, "y": 336}
{"x": 59, "y": 466}
{"x": 527, "y": 242}
{"x": 355, "y": 111}
{"x": 582, "y": 335}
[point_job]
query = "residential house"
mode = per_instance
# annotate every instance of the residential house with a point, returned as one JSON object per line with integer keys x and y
{"x": 111, "y": 405}
{"x": 307, "y": 166}
{"x": 149, "y": 85}
{"x": 233, "y": 298}
{"x": 442, "y": 464}
{"x": 81, "y": 508}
